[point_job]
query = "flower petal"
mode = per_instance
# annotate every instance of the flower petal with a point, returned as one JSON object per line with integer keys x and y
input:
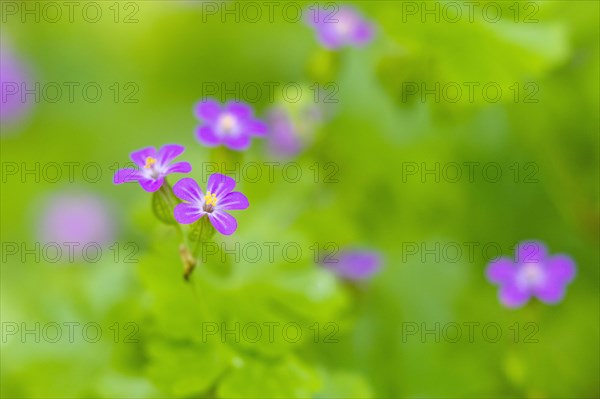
{"x": 220, "y": 185}
{"x": 328, "y": 29}
{"x": 501, "y": 270}
{"x": 551, "y": 292}
{"x": 187, "y": 213}
{"x": 238, "y": 143}
{"x": 207, "y": 136}
{"x": 256, "y": 127}
{"x": 363, "y": 33}
{"x": 151, "y": 185}
{"x": 188, "y": 190}
{"x": 179, "y": 167}
{"x": 240, "y": 110}
{"x": 354, "y": 264}
{"x": 512, "y": 296}
{"x": 233, "y": 201}
{"x": 531, "y": 252}
{"x": 139, "y": 157}
{"x": 208, "y": 110}
{"x": 168, "y": 153}
{"x": 560, "y": 270}
{"x": 561, "y": 267}
{"x": 328, "y": 37}
{"x": 127, "y": 175}
{"x": 223, "y": 222}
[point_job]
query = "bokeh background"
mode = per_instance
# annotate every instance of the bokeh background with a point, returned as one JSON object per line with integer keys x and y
{"x": 152, "y": 340}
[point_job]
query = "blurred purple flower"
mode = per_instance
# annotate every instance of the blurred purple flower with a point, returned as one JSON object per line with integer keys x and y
{"x": 283, "y": 137}
{"x": 291, "y": 130}
{"x": 153, "y": 167}
{"x": 354, "y": 264}
{"x": 76, "y": 218}
{"x": 13, "y": 76}
{"x": 231, "y": 125}
{"x": 533, "y": 273}
{"x": 219, "y": 198}
{"x": 346, "y": 27}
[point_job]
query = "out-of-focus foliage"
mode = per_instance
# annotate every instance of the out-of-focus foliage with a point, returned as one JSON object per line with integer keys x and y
{"x": 375, "y": 129}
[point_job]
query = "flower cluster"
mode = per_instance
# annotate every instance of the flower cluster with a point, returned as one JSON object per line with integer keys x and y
{"x": 154, "y": 166}
{"x": 231, "y": 125}
{"x": 289, "y": 129}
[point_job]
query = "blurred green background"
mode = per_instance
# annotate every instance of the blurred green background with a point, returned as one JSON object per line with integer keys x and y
{"x": 168, "y": 54}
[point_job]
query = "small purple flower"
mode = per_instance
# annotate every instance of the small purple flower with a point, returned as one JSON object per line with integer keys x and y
{"x": 290, "y": 132}
{"x": 232, "y": 125}
{"x": 153, "y": 167}
{"x": 79, "y": 218}
{"x": 14, "y": 78}
{"x": 346, "y": 27}
{"x": 533, "y": 273}
{"x": 354, "y": 264}
{"x": 219, "y": 198}
{"x": 283, "y": 138}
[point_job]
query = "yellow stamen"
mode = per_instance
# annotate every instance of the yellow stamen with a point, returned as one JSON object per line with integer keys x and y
{"x": 210, "y": 199}
{"x": 149, "y": 162}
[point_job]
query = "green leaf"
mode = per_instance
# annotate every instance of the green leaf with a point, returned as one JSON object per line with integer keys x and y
{"x": 344, "y": 384}
{"x": 286, "y": 377}
{"x": 185, "y": 369}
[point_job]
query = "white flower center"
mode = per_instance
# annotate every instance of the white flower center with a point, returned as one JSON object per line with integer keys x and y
{"x": 343, "y": 27}
{"x": 227, "y": 125}
{"x": 345, "y": 24}
{"x": 531, "y": 275}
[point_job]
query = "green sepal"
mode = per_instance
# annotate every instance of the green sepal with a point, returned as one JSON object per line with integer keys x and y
{"x": 163, "y": 204}
{"x": 201, "y": 231}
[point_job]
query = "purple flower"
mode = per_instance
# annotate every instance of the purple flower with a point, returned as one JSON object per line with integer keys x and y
{"x": 153, "y": 167}
{"x": 346, "y": 27}
{"x": 76, "y": 218}
{"x": 219, "y": 198}
{"x": 533, "y": 273}
{"x": 354, "y": 264}
{"x": 231, "y": 125}
{"x": 13, "y": 80}
{"x": 283, "y": 137}
{"x": 290, "y": 132}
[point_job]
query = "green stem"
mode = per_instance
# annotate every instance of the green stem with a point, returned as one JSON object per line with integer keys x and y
{"x": 196, "y": 249}
{"x": 192, "y": 260}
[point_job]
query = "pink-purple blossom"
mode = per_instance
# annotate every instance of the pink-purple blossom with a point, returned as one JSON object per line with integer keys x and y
{"x": 340, "y": 28}
{"x": 534, "y": 273}
{"x": 232, "y": 124}
{"x": 218, "y": 199}
{"x": 354, "y": 264}
{"x": 14, "y": 78}
{"x": 153, "y": 166}
{"x": 291, "y": 132}
{"x": 76, "y": 219}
